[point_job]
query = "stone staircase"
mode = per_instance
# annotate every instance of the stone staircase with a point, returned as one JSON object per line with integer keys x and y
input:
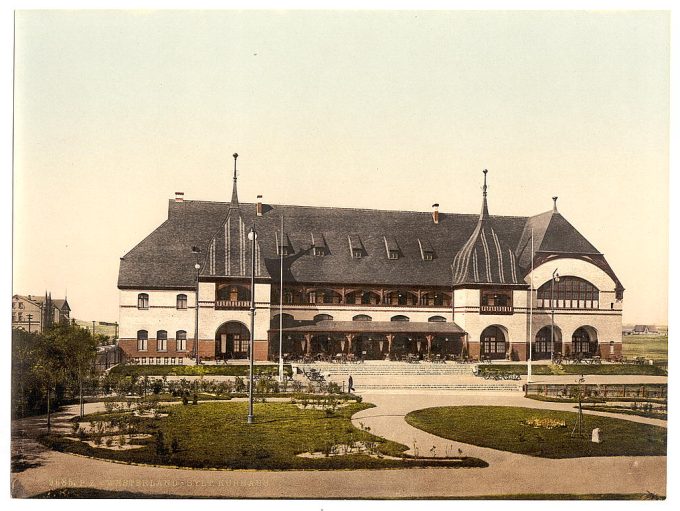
{"x": 401, "y": 376}
{"x": 390, "y": 369}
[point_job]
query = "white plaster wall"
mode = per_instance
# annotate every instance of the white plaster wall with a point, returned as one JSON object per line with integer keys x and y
{"x": 162, "y": 313}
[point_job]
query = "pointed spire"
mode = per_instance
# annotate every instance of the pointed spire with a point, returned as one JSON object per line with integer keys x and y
{"x": 234, "y": 193}
{"x": 555, "y": 205}
{"x": 485, "y": 207}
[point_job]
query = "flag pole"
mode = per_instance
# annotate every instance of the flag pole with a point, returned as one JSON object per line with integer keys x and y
{"x": 281, "y": 306}
{"x": 531, "y": 309}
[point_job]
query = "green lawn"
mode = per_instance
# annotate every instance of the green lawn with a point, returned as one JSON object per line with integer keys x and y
{"x": 654, "y": 347}
{"x": 202, "y": 370}
{"x": 503, "y": 428}
{"x": 215, "y": 435}
{"x": 548, "y": 369}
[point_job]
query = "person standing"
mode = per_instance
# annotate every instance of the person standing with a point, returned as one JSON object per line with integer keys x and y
{"x": 350, "y": 384}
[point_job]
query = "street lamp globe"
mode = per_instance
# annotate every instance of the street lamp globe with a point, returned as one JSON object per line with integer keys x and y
{"x": 197, "y": 266}
{"x": 252, "y": 235}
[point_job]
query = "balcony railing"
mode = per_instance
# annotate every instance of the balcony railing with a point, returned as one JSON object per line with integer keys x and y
{"x": 496, "y": 309}
{"x": 352, "y": 304}
{"x": 232, "y": 304}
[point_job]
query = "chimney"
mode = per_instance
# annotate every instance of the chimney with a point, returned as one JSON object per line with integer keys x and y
{"x": 179, "y": 196}
{"x": 259, "y": 205}
{"x": 435, "y": 213}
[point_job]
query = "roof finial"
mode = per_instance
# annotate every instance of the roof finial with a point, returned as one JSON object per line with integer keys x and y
{"x": 234, "y": 194}
{"x": 554, "y": 204}
{"x": 485, "y": 208}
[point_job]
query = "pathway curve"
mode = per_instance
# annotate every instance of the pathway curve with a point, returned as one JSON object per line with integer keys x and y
{"x": 508, "y": 473}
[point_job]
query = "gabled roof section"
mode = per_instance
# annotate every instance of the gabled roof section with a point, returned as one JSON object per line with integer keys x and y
{"x": 552, "y": 234}
{"x": 318, "y": 240}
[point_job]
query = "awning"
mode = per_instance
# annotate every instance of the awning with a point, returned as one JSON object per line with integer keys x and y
{"x": 384, "y": 327}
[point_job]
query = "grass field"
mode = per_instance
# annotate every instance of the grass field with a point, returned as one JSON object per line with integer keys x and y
{"x": 654, "y": 347}
{"x": 215, "y": 435}
{"x": 504, "y": 428}
{"x": 201, "y": 370}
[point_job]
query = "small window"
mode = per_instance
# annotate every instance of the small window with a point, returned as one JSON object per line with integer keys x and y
{"x": 399, "y": 318}
{"x": 323, "y": 317}
{"x": 318, "y": 251}
{"x": 144, "y": 360}
{"x": 393, "y": 254}
{"x": 437, "y": 319}
{"x": 142, "y": 340}
{"x": 181, "y": 337}
{"x": 21, "y": 305}
{"x": 362, "y": 317}
{"x": 142, "y": 301}
{"x": 427, "y": 256}
{"x": 158, "y": 360}
{"x": 357, "y": 253}
{"x": 162, "y": 340}
{"x": 182, "y": 301}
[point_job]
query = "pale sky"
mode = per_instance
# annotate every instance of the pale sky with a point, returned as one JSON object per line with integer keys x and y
{"x": 115, "y": 111}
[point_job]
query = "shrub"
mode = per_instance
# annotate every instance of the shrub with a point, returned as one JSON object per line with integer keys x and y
{"x": 160, "y": 444}
{"x": 239, "y": 384}
{"x": 174, "y": 445}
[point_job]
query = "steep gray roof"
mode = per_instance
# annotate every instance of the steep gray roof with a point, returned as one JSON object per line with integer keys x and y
{"x": 164, "y": 258}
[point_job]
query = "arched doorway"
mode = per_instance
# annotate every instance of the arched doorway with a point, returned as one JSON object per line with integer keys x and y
{"x": 493, "y": 343}
{"x": 232, "y": 340}
{"x": 541, "y": 348}
{"x": 584, "y": 342}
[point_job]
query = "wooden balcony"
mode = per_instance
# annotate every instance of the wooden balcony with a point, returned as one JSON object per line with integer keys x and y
{"x": 496, "y": 309}
{"x": 232, "y": 305}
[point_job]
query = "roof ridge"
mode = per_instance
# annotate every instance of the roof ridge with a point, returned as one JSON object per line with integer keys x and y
{"x": 350, "y": 208}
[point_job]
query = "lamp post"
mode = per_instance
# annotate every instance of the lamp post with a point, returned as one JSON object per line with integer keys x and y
{"x": 196, "y": 251}
{"x": 555, "y": 278}
{"x": 30, "y": 317}
{"x": 252, "y": 236}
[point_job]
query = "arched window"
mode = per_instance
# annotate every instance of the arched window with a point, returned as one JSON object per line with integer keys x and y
{"x": 142, "y": 339}
{"x": 568, "y": 293}
{"x": 323, "y": 317}
{"x": 142, "y": 301}
{"x": 181, "y": 337}
{"x": 362, "y": 317}
{"x": 288, "y": 320}
{"x": 437, "y": 319}
{"x": 181, "y": 301}
{"x": 162, "y": 340}
{"x": 399, "y": 318}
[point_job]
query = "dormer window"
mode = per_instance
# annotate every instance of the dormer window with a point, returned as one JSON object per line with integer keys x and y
{"x": 318, "y": 244}
{"x": 391, "y": 247}
{"x": 426, "y": 250}
{"x": 356, "y": 247}
{"x": 283, "y": 247}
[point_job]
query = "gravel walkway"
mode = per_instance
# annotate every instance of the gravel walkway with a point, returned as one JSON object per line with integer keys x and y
{"x": 42, "y": 469}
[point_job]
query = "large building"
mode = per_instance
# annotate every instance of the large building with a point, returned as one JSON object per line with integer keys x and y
{"x": 36, "y": 313}
{"x": 371, "y": 284}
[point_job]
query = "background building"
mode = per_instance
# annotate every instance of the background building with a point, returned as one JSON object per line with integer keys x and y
{"x": 365, "y": 283}
{"x": 35, "y": 313}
